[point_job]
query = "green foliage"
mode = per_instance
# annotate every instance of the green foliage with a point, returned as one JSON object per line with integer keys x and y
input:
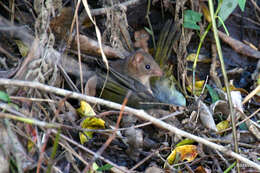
{"x": 13, "y": 165}
{"x": 4, "y": 97}
{"x": 54, "y": 151}
{"x": 213, "y": 94}
{"x": 242, "y": 4}
{"x": 186, "y": 141}
{"x": 230, "y": 167}
{"x": 191, "y": 18}
{"x": 227, "y": 7}
{"x": 148, "y": 30}
{"x": 106, "y": 167}
{"x": 243, "y": 126}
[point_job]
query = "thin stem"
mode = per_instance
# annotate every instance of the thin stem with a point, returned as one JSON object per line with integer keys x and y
{"x": 197, "y": 55}
{"x": 137, "y": 112}
{"x": 211, "y": 9}
{"x": 149, "y": 23}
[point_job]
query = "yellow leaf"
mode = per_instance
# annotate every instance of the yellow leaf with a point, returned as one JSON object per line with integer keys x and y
{"x": 90, "y": 123}
{"x": 84, "y": 137}
{"x": 202, "y": 58}
{"x": 187, "y": 152}
{"x": 198, "y": 87}
{"x": 233, "y": 88}
{"x": 93, "y": 123}
{"x": 85, "y": 109}
{"x": 191, "y": 57}
{"x": 206, "y": 12}
{"x": 223, "y": 125}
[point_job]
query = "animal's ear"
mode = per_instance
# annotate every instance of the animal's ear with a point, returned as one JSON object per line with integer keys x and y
{"x": 138, "y": 58}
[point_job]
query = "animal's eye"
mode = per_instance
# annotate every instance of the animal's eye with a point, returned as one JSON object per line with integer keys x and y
{"x": 147, "y": 66}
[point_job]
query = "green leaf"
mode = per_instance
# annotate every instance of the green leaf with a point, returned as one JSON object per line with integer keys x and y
{"x": 191, "y": 25}
{"x": 227, "y": 7}
{"x": 191, "y": 18}
{"x": 243, "y": 126}
{"x": 185, "y": 142}
{"x": 106, "y": 167}
{"x": 242, "y": 4}
{"x": 148, "y": 30}
{"x": 95, "y": 167}
{"x": 4, "y": 97}
{"x": 213, "y": 94}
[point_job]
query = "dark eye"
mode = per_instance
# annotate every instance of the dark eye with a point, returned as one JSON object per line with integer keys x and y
{"x": 147, "y": 67}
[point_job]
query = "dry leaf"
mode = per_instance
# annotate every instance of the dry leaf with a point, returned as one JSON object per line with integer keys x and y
{"x": 220, "y": 106}
{"x": 206, "y": 116}
{"x": 187, "y": 152}
{"x": 237, "y": 100}
{"x": 233, "y": 88}
{"x": 91, "y": 86}
{"x": 201, "y": 169}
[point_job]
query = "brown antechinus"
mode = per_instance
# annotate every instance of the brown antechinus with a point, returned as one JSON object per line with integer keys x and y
{"x": 140, "y": 66}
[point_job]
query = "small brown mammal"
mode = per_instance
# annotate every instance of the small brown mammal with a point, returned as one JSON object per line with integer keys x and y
{"x": 140, "y": 66}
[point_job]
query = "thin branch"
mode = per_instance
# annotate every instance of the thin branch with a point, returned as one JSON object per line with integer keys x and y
{"x": 251, "y": 94}
{"x": 232, "y": 113}
{"x": 139, "y": 113}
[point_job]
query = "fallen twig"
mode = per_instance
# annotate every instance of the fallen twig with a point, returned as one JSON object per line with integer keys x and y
{"x": 239, "y": 47}
{"x": 139, "y": 113}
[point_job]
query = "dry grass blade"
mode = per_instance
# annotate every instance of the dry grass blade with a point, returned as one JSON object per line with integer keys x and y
{"x": 97, "y": 32}
{"x": 99, "y": 42}
{"x": 250, "y": 95}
